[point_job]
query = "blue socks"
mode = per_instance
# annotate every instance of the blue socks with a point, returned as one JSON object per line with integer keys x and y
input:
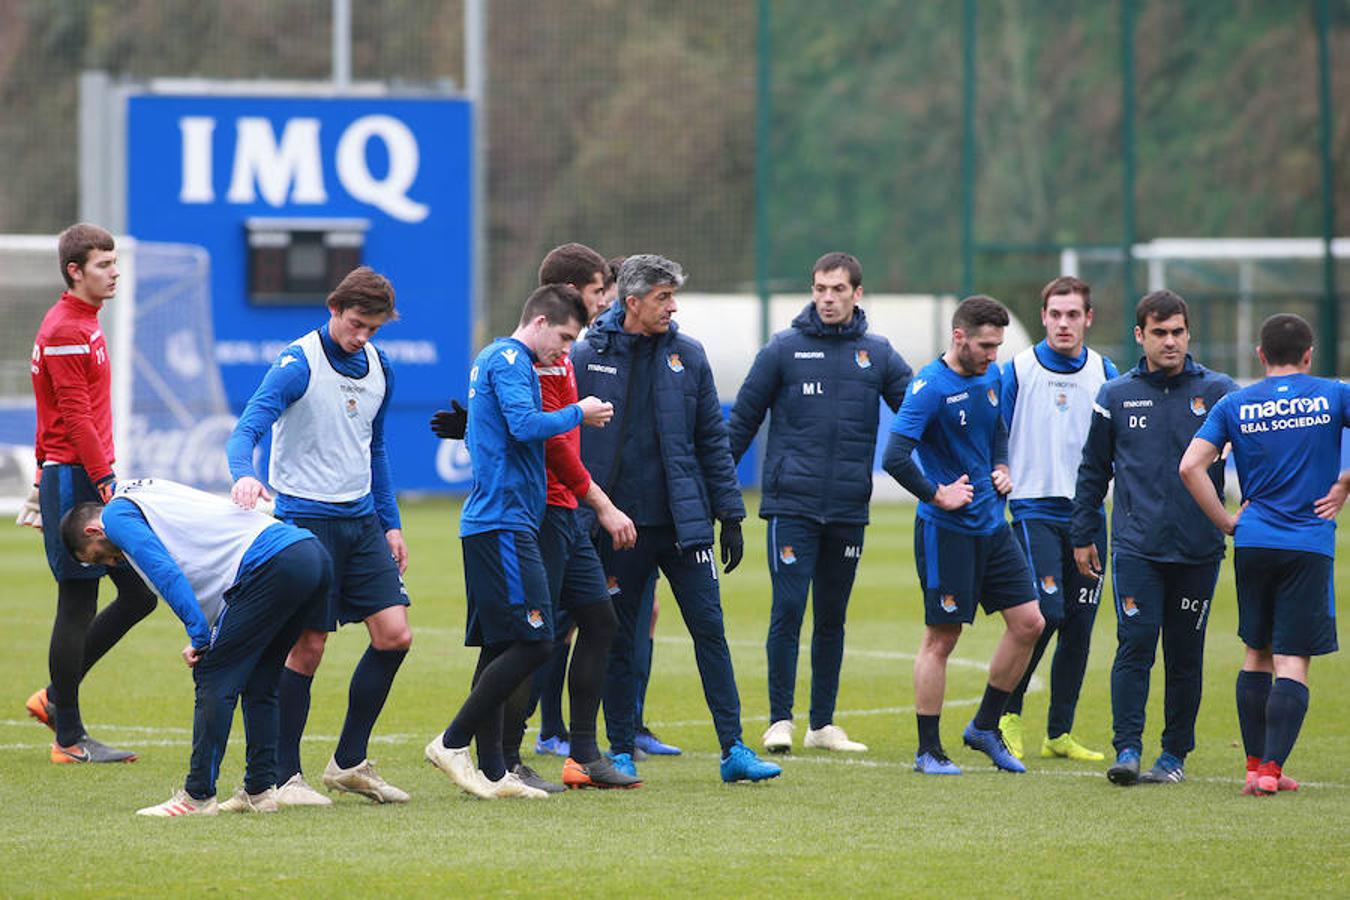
{"x": 365, "y": 698}
{"x": 293, "y": 709}
{"x": 1285, "y": 709}
{"x": 1253, "y": 690}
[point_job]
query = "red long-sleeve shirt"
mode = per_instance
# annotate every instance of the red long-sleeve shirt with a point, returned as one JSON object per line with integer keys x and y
{"x": 568, "y": 480}
{"x": 72, "y": 383}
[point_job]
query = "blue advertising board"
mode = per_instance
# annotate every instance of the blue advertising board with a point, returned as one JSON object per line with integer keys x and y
{"x": 203, "y": 169}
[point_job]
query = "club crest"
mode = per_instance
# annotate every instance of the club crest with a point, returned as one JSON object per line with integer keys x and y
{"x": 1198, "y": 406}
{"x": 673, "y": 360}
{"x": 1127, "y": 604}
{"x": 787, "y": 555}
{"x": 862, "y": 358}
{"x": 351, "y": 407}
{"x": 993, "y": 397}
{"x": 1048, "y": 584}
{"x": 949, "y": 603}
{"x": 1062, "y": 401}
{"x": 612, "y": 584}
{"x": 535, "y": 618}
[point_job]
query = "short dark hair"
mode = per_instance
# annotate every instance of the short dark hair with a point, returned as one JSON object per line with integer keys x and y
{"x": 557, "y": 303}
{"x": 77, "y": 242}
{"x": 614, "y": 263}
{"x": 366, "y": 290}
{"x": 1285, "y": 337}
{"x": 977, "y": 311}
{"x": 1161, "y": 305}
{"x": 846, "y": 261}
{"x": 72, "y": 526}
{"x": 574, "y": 264}
{"x": 1065, "y": 285}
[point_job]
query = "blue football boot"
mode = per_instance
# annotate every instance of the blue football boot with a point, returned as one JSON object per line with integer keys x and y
{"x": 741, "y": 764}
{"x": 554, "y": 746}
{"x": 935, "y": 762}
{"x": 624, "y": 763}
{"x": 990, "y": 742}
{"x": 653, "y": 746}
{"x": 1126, "y": 770}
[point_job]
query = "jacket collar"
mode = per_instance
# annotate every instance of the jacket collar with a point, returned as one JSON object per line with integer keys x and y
{"x": 608, "y": 328}
{"x": 1189, "y": 368}
{"x": 808, "y": 322}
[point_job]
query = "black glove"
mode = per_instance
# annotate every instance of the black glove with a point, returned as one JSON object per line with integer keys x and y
{"x": 733, "y": 544}
{"x": 451, "y": 423}
{"x": 105, "y": 486}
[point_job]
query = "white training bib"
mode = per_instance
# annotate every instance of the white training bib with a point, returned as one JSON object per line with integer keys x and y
{"x": 321, "y": 442}
{"x": 207, "y": 536}
{"x": 1050, "y": 425}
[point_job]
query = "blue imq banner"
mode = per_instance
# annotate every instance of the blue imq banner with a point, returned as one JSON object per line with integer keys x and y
{"x": 206, "y": 169}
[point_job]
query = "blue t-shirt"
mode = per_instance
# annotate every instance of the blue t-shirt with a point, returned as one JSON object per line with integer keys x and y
{"x": 505, "y": 439}
{"x": 955, "y": 421}
{"x": 1286, "y": 436}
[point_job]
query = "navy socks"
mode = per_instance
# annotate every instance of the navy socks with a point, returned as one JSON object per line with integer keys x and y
{"x": 991, "y": 708}
{"x": 1285, "y": 710}
{"x": 293, "y": 708}
{"x": 365, "y": 699}
{"x": 1253, "y": 690}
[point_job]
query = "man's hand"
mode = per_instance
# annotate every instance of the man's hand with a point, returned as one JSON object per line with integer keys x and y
{"x": 1328, "y": 505}
{"x": 192, "y": 656}
{"x": 30, "y": 514}
{"x": 247, "y": 490}
{"x": 733, "y": 544}
{"x": 450, "y": 424}
{"x": 1087, "y": 561}
{"x": 397, "y": 549}
{"x": 1002, "y": 479}
{"x": 619, "y": 526}
{"x": 106, "y": 485}
{"x": 954, "y": 495}
{"x": 595, "y": 412}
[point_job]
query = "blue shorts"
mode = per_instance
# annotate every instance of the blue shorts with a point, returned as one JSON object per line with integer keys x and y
{"x": 959, "y": 570}
{"x": 1060, "y": 587}
{"x": 62, "y": 488}
{"x": 1286, "y": 601}
{"x": 365, "y": 576}
{"x": 507, "y": 589}
{"x": 575, "y": 576}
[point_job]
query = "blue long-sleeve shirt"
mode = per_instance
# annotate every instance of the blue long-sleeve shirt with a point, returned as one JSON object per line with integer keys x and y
{"x": 127, "y": 528}
{"x": 505, "y": 439}
{"x": 286, "y": 383}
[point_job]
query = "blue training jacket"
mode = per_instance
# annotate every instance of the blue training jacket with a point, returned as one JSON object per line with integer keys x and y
{"x": 822, "y": 383}
{"x": 695, "y": 458}
{"x": 1142, "y": 423}
{"x": 505, "y": 439}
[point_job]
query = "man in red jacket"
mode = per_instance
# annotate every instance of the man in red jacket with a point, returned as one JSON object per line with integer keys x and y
{"x": 74, "y": 448}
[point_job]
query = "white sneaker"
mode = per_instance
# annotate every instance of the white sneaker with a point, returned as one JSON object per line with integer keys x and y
{"x": 297, "y": 792}
{"x": 458, "y": 764}
{"x": 243, "y": 801}
{"x": 181, "y": 804}
{"x": 832, "y": 737}
{"x": 361, "y": 779}
{"x": 778, "y": 737}
{"x": 510, "y": 786}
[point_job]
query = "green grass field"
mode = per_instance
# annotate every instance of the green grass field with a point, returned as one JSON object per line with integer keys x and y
{"x": 859, "y": 826}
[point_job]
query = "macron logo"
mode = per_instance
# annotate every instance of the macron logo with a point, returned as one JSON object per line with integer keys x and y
{"x": 918, "y": 385}
{"x": 1285, "y": 406}
{"x": 286, "y": 361}
{"x": 607, "y": 370}
{"x": 809, "y": 354}
{"x": 510, "y": 356}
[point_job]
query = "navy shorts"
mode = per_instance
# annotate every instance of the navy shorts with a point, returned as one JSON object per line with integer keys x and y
{"x": 63, "y": 487}
{"x": 1286, "y": 601}
{"x": 365, "y": 575}
{"x": 575, "y": 576}
{"x": 1060, "y": 587}
{"x": 959, "y": 570}
{"x": 507, "y": 589}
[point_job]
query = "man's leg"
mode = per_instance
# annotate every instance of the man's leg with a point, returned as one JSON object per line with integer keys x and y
{"x": 1285, "y": 709}
{"x": 1139, "y": 600}
{"x": 1081, "y": 598}
{"x": 390, "y": 639}
{"x": 1189, "y": 591}
{"x": 930, "y": 684}
{"x": 841, "y": 549}
{"x": 134, "y": 601}
{"x": 501, "y": 669}
{"x": 793, "y": 551}
{"x": 293, "y": 692}
{"x": 76, "y": 603}
{"x": 1040, "y": 545}
{"x": 631, "y": 570}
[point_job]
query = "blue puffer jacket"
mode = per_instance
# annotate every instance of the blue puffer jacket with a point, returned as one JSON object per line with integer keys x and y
{"x": 695, "y": 459}
{"x": 1142, "y": 423}
{"x": 822, "y": 383}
